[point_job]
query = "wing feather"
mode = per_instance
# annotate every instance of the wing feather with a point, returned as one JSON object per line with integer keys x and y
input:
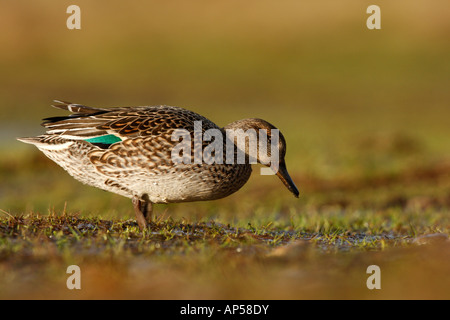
{"x": 124, "y": 122}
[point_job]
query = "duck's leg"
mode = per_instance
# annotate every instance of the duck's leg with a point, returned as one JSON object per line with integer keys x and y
{"x": 140, "y": 217}
{"x": 146, "y": 208}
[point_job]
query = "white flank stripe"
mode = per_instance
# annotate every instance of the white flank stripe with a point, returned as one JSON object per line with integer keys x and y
{"x": 68, "y": 136}
{"x": 55, "y": 131}
{"x": 72, "y": 123}
{"x": 54, "y": 147}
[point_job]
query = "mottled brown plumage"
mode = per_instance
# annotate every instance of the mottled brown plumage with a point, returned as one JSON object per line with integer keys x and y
{"x": 128, "y": 151}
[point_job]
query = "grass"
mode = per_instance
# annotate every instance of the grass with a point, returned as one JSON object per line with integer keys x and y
{"x": 213, "y": 260}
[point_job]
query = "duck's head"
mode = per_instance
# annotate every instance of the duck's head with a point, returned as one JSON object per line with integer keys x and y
{"x": 263, "y": 143}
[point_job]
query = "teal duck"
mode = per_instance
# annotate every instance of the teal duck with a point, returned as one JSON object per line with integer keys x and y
{"x": 129, "y": 151}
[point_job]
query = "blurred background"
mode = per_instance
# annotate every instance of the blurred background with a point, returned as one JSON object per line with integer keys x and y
{"x": 359, "y": 108}
{"x": 365, "y": 113}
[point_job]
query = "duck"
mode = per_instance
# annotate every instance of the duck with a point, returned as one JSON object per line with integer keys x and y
{"x": 152, "y": 154}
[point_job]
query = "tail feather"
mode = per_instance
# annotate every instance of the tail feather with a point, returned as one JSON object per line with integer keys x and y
{"x": 33, "y": 140}
{"x": 47, "y": 142}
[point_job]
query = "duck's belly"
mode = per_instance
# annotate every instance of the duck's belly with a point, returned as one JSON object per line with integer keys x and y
{"x": 190, "y": 184}
{"x": 162, "y": 184}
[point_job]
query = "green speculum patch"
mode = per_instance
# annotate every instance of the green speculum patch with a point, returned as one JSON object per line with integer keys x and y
{"x": 104, "y": 141}
{"x": 108, "y": 139}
